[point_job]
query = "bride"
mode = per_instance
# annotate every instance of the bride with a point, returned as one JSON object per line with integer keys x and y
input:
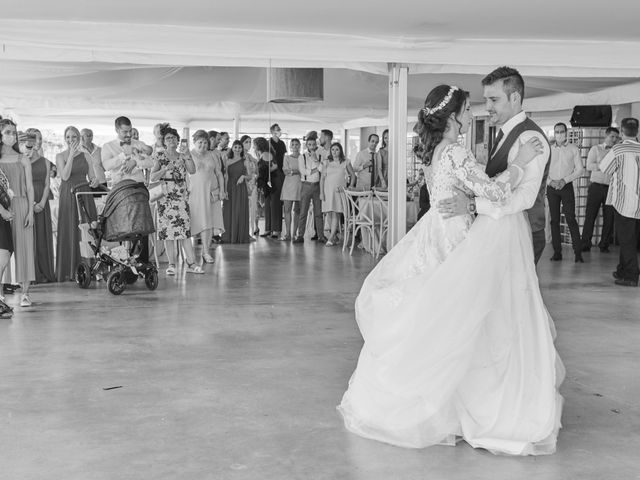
{"x": 457, "y": 340}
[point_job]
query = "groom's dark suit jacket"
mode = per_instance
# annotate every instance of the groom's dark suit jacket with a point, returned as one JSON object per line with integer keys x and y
{"x": 498, "y": 163}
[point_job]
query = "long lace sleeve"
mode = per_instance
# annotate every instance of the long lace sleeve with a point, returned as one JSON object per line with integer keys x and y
{"x": 467, "y": 170}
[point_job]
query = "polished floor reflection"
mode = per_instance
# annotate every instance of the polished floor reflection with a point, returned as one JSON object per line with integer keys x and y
{"x": 236, "y": 374}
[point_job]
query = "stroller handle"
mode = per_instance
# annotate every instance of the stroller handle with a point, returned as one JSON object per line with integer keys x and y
{"x": 84, "y": 185}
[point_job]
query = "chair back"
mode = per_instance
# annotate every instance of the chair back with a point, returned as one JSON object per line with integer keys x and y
{"x": 358, "y": 202}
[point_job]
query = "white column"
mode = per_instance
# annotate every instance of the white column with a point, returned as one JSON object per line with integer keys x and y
{"x": 398, "y": 75}
{"x": 236, "y": 128}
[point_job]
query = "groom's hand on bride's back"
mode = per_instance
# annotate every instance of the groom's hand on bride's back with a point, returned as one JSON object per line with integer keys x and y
{"x": 458, "y": 204}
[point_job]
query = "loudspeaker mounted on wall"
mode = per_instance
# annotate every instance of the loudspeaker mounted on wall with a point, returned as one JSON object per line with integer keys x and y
{"x": 591, "y": 116}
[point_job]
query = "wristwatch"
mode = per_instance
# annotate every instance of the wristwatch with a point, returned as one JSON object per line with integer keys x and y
{"x": 471, "y": 207}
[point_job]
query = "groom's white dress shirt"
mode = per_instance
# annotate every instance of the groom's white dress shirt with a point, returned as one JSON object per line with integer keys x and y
{"x": 524, "y": 195}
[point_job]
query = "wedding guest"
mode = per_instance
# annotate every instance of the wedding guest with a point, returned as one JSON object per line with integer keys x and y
{"x": 622, "y": 163}
{"x": 597, "y": 194}
{"x": 135, "y": 135}
{"x": 310, "y": 169}
{"x": 171, "y": 167}
{"x": 277, "y": 179}
{"x": 6, "y": 217}
{"x": 263, "y": 182}
{"x": 291, "y": 190}
{"x": 334, "y": 176}
{"x": 236, "y": 207}
{"x": 73, "y": 169}
{"x": 206, "y": 193}
{"x": 93, "y": 154}
{"x": 326, "y": 139}
{"x": 365, "y": 165}
{"x": 223, "y": 150}
{"x": 127, "y": 159}
{"x": 251, "y": 163}
{"x": 16, "y": 167}
{"x": 565, "y": 167}
{"x": 43, "y": 226}
{"x": 383, "y": 164}
{"x": 425, "y": 200}
{"x": 214, "y": 139}
{"x": 157, "y": 134}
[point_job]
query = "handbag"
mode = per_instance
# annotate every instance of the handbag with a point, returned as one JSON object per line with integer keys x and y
{"x": 5, "y": 198}
{"x": 157, "y": 191}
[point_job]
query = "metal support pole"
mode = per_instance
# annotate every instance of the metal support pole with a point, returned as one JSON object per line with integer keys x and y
{"x": 236, "y": 128}
{"x": 398, "y": 75}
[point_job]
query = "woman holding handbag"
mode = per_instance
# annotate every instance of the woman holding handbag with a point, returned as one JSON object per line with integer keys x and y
{"x": 206, "y": 193}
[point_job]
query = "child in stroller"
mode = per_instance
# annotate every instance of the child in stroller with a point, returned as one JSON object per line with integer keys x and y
{"x": 111, "y": 244}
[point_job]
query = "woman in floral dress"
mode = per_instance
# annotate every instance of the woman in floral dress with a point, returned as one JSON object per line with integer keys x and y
{"x": 171, "y": 167}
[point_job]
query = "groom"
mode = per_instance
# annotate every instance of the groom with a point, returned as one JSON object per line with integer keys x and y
{"x": 504, "y": 93}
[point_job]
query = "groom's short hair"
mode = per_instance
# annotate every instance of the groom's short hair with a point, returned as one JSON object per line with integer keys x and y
{"x": 120, "y": 121}
{"x": 512, "y": 81}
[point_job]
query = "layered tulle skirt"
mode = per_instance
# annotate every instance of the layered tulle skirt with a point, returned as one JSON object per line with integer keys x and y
{"x": 457, "y": 342}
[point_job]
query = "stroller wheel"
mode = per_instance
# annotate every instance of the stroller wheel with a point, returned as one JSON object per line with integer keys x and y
{"x": 116, "y": 283}
{"x": 83, "y": 275}
{"x": 151, "y": 280}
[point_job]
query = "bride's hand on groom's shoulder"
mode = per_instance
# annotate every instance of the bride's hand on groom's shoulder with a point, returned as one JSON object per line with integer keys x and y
{"x": 529, "y": 150}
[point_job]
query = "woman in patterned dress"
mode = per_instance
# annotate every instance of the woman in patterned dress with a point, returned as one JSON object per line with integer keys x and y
{"x": 171, "y": 167}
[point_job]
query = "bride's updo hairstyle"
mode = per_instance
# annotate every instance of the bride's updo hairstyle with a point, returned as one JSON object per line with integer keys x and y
{"x": 441, "y": 102}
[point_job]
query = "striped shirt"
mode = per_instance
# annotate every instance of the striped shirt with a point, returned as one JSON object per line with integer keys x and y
{"x": 623, "y": 164}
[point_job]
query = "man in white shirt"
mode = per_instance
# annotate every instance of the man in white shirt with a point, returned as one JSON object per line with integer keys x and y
{"x": 597, "y": 193}
{"x": 93, "y": 154}
{"x": 365, "y": 164}
{"x": 127, "y": 159}
{"x": 565, "y": 167}
{"x": 623, "y": 164}
{"x": 310, "y": 170}
{"x": 504, "y": 93}
{"x": 124, "y": 157}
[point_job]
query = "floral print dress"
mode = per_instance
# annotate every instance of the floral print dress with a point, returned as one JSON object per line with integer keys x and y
{"x": 173, "y": 209}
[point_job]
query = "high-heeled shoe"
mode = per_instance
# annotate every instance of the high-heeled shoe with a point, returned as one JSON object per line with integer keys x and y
{"x": 256, "y": 232}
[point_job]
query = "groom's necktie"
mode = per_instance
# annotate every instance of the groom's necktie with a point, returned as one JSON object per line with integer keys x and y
{"x": 496, "y": 142}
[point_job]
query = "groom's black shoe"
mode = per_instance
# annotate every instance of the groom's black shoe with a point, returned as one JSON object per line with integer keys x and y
{"x": 626, "y": 282}
{"x": 579, "y": 258}
{"x": 616, "y": 275}
{"x": 556, "y": 257}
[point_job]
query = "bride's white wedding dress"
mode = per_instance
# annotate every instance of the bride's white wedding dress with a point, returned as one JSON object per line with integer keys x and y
{"x": 457, "y": 340}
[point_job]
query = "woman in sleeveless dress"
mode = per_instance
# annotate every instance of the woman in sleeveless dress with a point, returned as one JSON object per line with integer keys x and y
{"x": 457, "y": 340}
{"x": 174, "y": 222}
{"x": 236, "y": 207}
{"x": 290, "y": 195}
{"x": 17, "y": 169}
{"x": 206, "y": 189}
{"x": 43, "y": 227}
{"x": 334, "y": 176}
{"x": 73, "y": 169}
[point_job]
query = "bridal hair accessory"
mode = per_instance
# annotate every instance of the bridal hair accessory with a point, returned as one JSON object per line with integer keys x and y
{"x": 443, "y": 103}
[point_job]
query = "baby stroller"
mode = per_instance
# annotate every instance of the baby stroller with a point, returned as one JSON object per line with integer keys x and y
{"x": 126, "y": 217}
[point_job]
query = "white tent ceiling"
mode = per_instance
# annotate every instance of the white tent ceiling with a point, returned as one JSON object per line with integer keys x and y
{"x": 197, "y": 61}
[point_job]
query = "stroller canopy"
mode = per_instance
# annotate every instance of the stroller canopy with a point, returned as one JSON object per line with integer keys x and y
{"x": 127, "y": 214}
